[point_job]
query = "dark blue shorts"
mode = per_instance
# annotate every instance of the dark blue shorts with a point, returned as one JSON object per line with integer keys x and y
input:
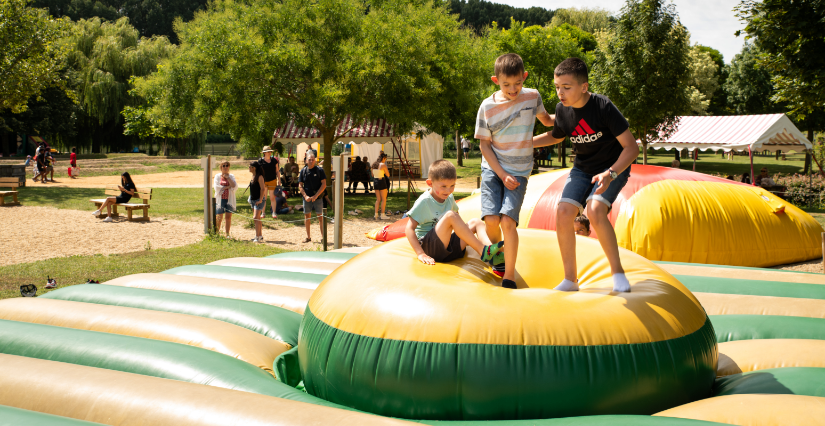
{"x": 578, "y": 190}
{"x": 497, "y": 200}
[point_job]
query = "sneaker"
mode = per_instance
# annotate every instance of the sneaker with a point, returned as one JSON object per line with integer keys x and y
{"x": 108, "y": 219}
{"x": 385, "y": 217}
{"x": 96, "y": 213}
{"x": 498, "y": 270}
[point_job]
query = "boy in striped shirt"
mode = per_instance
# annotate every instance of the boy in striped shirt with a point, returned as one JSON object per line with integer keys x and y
{"x": 505, "y": 130}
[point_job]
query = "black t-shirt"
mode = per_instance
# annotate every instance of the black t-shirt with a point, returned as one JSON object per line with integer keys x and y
{"x": 312, "y": 179}
{"x": 270, "y": 169}
{"x": 592, "y": 129}
{"x": 125, "y": 195}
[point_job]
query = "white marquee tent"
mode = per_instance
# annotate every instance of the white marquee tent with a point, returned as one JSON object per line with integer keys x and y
{"x": 773, "y": 132}
{"x": 368, "y": 139}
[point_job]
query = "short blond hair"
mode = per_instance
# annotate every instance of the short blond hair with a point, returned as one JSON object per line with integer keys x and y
{"x": 442, "y": 170}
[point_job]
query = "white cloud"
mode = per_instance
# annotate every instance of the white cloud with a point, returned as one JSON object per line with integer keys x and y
{"x": 710, "y": 22}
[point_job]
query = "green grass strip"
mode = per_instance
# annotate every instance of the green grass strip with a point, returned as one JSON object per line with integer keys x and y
{"x": 271, "y": 321}
{"x": 730, "y": 328}
{"x": 264, "y": 276}
{"x": 753, "y": 288}
{"x": 809, "y": 381}
{"x": 11, "y": 416}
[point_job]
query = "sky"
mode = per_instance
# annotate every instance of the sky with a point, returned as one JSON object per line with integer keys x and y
{"x": 710, "y": 22}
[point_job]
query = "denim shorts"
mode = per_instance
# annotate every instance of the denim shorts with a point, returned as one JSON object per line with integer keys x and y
{"x": 257, "y": 206}
{"x": 578, "y": 190}
{"x": 317, "y": 205}
{"x": 223, "y": 207}
{"x": 497, "y": 200}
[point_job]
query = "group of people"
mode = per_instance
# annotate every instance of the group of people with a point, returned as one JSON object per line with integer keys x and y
{"x": 43, "y": 163}
{"x": 604, "y": 147}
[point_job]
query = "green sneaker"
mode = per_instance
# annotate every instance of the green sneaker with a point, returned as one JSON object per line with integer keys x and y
{"x": 493, "y": 252}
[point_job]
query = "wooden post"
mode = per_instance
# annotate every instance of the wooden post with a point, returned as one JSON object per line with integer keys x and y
{"x": 823, "y": 252}
{"x": 214, "y": 219}
{"x": 478, "y": 182}
{"x": 323, "y": 219}
{"x": 750, "y": 154}
{"x": 208, "y": 207}
{"x": 338, "y": 226}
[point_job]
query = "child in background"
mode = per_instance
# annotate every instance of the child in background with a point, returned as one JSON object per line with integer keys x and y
{"x": 505, "y": 130}
{"x": 582, "y": 225}
{"x": 435, "y": 230}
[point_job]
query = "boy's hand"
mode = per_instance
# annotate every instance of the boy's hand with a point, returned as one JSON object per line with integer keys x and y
{"x": 603, "y": 179}
{"x": 510, "y": 182}
{"x": 427, "y": 260}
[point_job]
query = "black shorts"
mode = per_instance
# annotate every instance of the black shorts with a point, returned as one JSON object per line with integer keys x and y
{"x": 434, "y": 248}
{"x": 382, "y": 184}
{"x": 466, "y": 150}
{"x": 122, "y": 200}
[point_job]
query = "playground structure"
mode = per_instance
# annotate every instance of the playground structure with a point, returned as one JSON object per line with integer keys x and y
{"x": 676, "y": 215}
{"x": 219, "y": 344}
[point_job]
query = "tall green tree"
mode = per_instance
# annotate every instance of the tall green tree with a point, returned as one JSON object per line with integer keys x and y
{"x": 480, "y": 14}
{"x": 642, "y": 64}
{"x": 29, "y": 56}
{"x": 790, "y": 35}
{"x": 703, "y": 82}
{"x": 103, "y": 57}
{"x": 248, "y": 69}
{"x": 590, "y": 20}
{"x": 718, "y": 102}
{"x": 748, "y": 87}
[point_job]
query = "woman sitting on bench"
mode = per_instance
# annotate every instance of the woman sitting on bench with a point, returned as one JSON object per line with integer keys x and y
{"x": 127, "y": 190}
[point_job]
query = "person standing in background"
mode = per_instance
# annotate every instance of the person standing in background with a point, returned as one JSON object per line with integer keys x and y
{"x": 225, "y": 204}
{"x": 465, "y": 146}
{"x": 312, "y": 181}
{"x": 271, "y": 177}
{"x": 73, "y": 163}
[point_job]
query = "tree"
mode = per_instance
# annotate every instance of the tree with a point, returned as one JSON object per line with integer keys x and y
{"x": 704, "y": 80}
{"x": 29, "y": 57}
{"x": 748, "y": 87}
{"x": 642, "y": 64}
{"x": 52, "y": 114}
{"x": 718, "y": 102}
{"x": 590, "y": 20}
{"x": 480, "y": 14}
{"x": 585, "y": 40}
{"x": 248, "y": 69}
{"x": 103, "y": 57}
{"x": 790, "y": 36}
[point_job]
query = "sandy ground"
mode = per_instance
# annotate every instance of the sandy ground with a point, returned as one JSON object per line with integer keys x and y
{"x": 809, "y": 266}
{"x": 74, "y": 232}
{"x": 191, "y": 179}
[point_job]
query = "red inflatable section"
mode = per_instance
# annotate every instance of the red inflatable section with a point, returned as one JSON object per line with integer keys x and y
{"x": 544, "y": 214}
{"x": 392, "y": 231}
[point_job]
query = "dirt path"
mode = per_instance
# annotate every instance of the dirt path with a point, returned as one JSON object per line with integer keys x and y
{"x": 192, "y": 179}
{"x": 73, "y": 232}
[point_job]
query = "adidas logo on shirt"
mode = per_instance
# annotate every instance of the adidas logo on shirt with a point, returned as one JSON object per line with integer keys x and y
{"x": 584, "y": 134}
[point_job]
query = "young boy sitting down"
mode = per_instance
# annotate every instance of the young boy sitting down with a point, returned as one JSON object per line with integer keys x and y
{"x": 504, "y": 128}
{"x": 604, "y": 149}
{"x": 436, "y": 232}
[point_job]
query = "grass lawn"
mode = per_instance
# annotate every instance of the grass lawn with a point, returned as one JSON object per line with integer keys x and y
{"x": 77, "y": 269}
{"x": 711, "y": 163}
{"x": 471, "y": 168}
{"x": 187, "y": 203}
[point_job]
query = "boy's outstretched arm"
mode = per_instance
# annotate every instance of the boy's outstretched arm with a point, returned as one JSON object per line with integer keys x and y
{"x": 547, "y": 119}
{"x": 419, "y": 252}
{"x": 486, "y": 147}
{"x": 545, "y": 139}
{"x": 630, "y": 150}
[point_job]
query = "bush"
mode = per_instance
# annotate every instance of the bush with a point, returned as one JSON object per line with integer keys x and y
{"x": 803, "y": 191}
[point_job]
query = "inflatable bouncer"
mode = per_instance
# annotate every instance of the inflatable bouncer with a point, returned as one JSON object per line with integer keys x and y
{"x": 676, "y": 215}
{"x": 381, "y": 339}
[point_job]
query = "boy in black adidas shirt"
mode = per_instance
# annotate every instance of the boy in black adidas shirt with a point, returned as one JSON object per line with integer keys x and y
{"x": 604, "y": 149}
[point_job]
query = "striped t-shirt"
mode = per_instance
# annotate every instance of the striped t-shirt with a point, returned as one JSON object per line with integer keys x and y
{"x": 509, "y": 124}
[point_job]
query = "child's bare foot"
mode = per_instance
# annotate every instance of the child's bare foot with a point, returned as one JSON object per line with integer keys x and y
{"x": 567, "y": 285}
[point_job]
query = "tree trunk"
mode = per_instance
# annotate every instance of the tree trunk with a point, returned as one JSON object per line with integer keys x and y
{"x": 4, "y": 140}
{"x": 459, "y": 154}
{"x": 644, "y": 150}
{"x": 807, "y": 163}
{"x": 329, "y": 137}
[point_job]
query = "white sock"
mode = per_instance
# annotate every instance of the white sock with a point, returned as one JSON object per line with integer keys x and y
{"x": 567, "y": 285}
{"x": 620, "y": 283}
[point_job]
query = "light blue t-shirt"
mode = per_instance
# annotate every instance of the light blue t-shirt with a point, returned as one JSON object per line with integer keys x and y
{"x": 427, "y": 212}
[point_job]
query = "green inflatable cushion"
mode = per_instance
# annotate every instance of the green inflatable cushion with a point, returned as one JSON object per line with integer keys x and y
{"x": 729, "y": 328}
{"x": 11, "y": 416}
{"x": 809, "y": 381}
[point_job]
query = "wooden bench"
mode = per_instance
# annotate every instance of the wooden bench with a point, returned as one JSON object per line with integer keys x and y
{"x": 9, "y": 182}
{"x": 143, "y": 195}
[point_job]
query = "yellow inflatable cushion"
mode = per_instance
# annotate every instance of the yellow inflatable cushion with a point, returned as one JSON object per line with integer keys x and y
{"x": 275, "y": 264}
{"x": 117, "y": 398}
{"x": 206, "y": 333}
{"x": 292, "y": 298}
{"x": 754, "y": 410}
{"x": 750, "y": 274}
{"x": 743, "y": 304}
{"x": 742, "y": 356}
{"x": 461, "y": 302}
